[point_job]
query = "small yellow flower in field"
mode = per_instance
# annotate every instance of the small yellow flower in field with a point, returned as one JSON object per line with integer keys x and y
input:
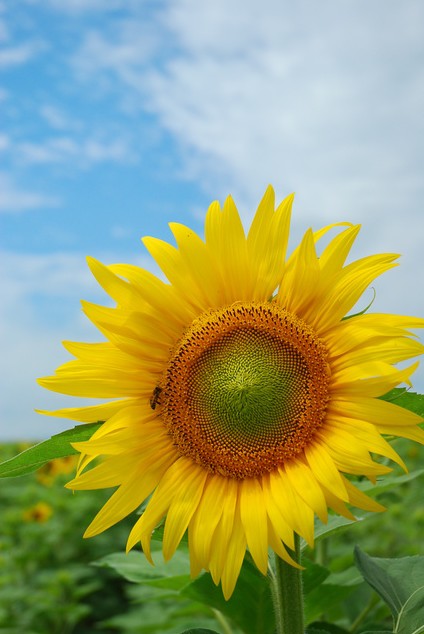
{"x": 245, "y": 395}
{"x": 40, "y": 512}
{"x": 48, "y": 473}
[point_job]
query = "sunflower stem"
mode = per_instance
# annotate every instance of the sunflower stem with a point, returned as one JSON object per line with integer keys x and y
{"x": 288, "y": 595}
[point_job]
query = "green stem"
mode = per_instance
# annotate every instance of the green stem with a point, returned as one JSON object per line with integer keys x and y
{"x": 288, "y": 595}
{"x": 226, "y": 628}
{"x": 362, "y": 615}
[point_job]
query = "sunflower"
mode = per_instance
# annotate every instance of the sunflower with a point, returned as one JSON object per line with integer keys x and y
{"x": 245, "y": 396}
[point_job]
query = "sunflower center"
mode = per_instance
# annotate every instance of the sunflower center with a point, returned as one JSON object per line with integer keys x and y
{"x": 245, "y": 389}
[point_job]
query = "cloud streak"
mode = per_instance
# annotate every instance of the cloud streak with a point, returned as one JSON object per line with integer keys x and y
{"x": 15, "y": 199}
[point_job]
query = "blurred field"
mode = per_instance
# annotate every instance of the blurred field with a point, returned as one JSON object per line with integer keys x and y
{"x": 48, "y": 584}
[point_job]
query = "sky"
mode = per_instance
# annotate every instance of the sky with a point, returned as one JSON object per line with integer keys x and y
{"x": 118, "y": 117}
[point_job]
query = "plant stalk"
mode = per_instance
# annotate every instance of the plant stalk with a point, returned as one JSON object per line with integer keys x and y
{"x": 287, "y": 593}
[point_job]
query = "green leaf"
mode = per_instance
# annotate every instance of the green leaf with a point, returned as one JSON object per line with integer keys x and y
{"x": 335, "y": 524}
{"x": 323, "y": 598}
{"x": 388, "y": 482}
{"x": 409, "y": 400}
{"x": 313, "y": 575}
{"x": 135, "y": 567}
{"x": 400, "y": 583}
{"x": 199, "y": 630}
{"x": 58, "y": 446}
{"x": 327, "y": 628}
{"x": 250, "y": 606}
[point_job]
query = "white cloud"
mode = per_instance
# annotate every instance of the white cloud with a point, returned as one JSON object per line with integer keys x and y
{"x": 57, "y": 119}
{"x": 81, "y": 6}
{"x": 4, "y": 142}
{"x": 277, "y": 95}
{"x": 255, "y": 93}
{"x": 11, "y": 56}
{"x": 14, "y": 199}
{"x": 82, "y": 152}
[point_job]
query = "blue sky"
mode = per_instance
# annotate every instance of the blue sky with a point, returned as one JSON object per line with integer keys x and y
{"x": 117, "y": 117}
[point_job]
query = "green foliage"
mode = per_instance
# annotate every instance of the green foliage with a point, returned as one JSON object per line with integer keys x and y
{"x": 199, "y": 630}
{"x": 58, "y": 446}
{"x": 135, "y": 568}
{"x": 404, "y": 398}
{"x": 252, "y": 592}
{"x": 46, "y": 581}
{"x": 400, "y": 583}
{"x": 47, "y": 584}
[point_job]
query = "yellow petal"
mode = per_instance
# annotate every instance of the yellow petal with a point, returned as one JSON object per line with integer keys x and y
{"x": 300, "y": 280}
{"x": 206, "y": 518}
{"x": 348, "y": 288}
{"x": 374, "y": 386}
{"x": 116, "y": 287}
{"x": 222, "y": 536}
{"x": 334, "y": 255}
{"x": 181, "y": 511}
{"x": 295, "y": 511}
{"x": 172, "y": 482}
{"x": 267, "y": 244}
{"x": 130, "y": 495}
{"x": 376, "y": 411}
{"x": 276, "y": 514}
{"x": 234, "y": 556}
{"x": 90, "y": 414}
{"x": 254, "y": 521}
{"x": 278, "y": 547}
{"x": 324, "y": 469}
{"x": 303, "y": 481}
{"x": 361, "y": 500}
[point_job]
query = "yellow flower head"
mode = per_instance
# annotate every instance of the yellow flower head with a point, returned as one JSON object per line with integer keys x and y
{"x": 245, "y": 396}
{"x": 48, "y": 473}
{"x": 40, "y": 513}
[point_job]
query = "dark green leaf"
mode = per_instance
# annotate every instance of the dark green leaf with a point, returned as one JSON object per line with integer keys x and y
{"x": 135, "y": 567}
{"x": 400, "y": 583}
{"x": 58, "y": 446}
{"x": 328, "y": 628}
{"x": 199, "y": 630}
{"x": 409, "y": 400}
{"x": 323, "y": 598}
{"x": 251, "y": 592}
{"x": 313, "y": 575}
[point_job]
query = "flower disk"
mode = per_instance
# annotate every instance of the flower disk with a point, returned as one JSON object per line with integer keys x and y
{"x": 239, "y": 397}
{"x": 246, "y": 389}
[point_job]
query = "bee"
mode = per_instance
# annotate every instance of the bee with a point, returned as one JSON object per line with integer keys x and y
{"x": 154, "y": 399}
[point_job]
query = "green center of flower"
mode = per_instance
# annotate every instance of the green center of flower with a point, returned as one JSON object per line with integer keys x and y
{"x": 245, "y": 389}
{"x": 253, "y": 384}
